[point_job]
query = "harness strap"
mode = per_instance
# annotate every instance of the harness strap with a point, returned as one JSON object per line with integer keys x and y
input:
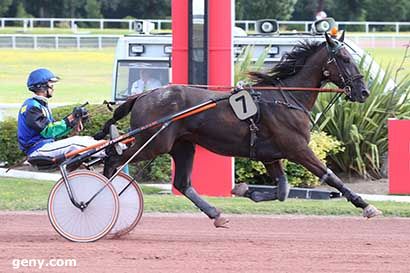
{"x": 324, "y": 112}
{"x": 253, "y": 129}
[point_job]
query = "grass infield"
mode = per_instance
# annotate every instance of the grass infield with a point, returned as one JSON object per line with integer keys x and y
{"x": 27, "y": 195}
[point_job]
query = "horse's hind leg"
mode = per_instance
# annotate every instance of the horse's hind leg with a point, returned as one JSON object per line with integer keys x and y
{"x": 308, "y": 159}
{"x": 281, "y": 192}
{"x": 183, "y": 154}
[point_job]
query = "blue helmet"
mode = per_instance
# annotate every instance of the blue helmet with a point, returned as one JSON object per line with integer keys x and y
{"x": 39, "y": 77}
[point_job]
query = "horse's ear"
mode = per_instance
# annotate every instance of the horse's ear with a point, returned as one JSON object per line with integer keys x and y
{"x": 342, "y": 36}
{"x": 329, "y": 40}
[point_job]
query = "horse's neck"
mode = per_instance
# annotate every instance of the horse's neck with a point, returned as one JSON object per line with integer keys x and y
{"x": 309, "y": 76}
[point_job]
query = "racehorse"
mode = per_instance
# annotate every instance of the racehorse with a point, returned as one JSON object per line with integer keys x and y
{"x": 283, "y": 123}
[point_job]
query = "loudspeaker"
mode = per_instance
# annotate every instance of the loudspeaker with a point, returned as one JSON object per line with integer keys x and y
{"x": 266, "y": 26}
{"x": 323, "y": 25}
{"x": 141, "y": 26}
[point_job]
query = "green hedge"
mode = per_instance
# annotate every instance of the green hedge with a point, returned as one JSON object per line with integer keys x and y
{"x": 159, "y": 171}
{"x": 9, "y": 151}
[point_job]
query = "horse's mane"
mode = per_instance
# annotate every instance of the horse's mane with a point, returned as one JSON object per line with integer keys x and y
{"x": 291, "y": 63}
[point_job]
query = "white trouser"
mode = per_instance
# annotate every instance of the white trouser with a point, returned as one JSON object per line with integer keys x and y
{"x": 66, "y": 145}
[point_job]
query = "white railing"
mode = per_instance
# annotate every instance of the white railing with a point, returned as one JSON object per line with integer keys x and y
{"x": 58, "y": 41}
{"x": 30, "y": 23}
{"x": 160, "y": 24}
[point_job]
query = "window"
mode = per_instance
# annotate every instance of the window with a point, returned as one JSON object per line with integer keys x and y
{"x": 138, "y": 76}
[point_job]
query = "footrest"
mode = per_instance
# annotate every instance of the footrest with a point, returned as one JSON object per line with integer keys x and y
{"x": 43, "y": 162}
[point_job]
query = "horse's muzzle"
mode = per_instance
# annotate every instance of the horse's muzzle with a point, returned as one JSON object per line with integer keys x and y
{"x": 364, "y": 93}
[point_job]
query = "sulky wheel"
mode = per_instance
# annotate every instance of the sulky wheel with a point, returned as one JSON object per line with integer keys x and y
{"x": 131, "y": 205}
{"x": 91, "y": 223}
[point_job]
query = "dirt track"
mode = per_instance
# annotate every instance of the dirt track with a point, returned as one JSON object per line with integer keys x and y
{"x": 189, "y": 243}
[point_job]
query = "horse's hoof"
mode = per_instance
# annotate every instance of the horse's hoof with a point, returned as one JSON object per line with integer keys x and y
{"x": 371, "y": 211}
{"x": 221, "y": 222}
{"x": 240, "y": 189}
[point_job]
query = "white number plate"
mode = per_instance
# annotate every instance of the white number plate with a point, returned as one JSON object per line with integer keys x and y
{"x": 243, "y": 105}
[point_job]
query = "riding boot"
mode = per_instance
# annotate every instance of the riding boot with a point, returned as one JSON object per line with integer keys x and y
{"x": 113, "y": 135}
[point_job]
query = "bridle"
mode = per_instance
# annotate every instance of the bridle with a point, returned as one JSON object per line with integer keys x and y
{"x": 346, "y": 81}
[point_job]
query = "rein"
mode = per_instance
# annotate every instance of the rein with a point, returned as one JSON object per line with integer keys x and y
{"x": 266, "y": 88}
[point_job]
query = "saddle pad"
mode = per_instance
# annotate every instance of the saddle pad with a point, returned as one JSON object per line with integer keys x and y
{"x": 243, "y": 105}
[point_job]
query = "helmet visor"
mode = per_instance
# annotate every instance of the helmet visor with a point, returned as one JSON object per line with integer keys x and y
{"x": 54, "y": 79}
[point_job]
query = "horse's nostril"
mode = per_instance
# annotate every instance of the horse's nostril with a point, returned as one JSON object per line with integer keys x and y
{"x": 365, "y": 93}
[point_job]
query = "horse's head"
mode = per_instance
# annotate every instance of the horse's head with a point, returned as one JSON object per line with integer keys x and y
{"x": 342, "y": 70}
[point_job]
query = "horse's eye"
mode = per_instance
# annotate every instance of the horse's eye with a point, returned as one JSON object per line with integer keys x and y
{"x": 346, "y": 60}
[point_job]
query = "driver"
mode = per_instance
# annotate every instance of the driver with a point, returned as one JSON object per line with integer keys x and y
{"x": 37, "y": 130}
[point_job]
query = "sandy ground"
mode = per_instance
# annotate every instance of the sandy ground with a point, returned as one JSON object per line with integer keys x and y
{"x": 190, "y": 243}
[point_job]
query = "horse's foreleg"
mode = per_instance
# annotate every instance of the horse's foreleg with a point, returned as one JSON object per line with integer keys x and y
{"x": 308, "y": 159}
{"x": 276, "y": 172}
{"x": 183, "y": 154}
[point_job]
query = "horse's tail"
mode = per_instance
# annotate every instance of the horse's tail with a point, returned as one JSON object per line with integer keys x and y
{"x": 120, "y": 112}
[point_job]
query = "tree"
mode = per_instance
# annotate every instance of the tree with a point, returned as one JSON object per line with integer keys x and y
{"x": 159, "y": 9}
{"x": 387, "y": 10}
{"x": 305, "y": 10}
{"x": 4, "y": 6}
{"x": 92, "y": 9}
{"x": 263, "y": 9}
{"x": 21, "y": 11}
{"x": 42, "y": 8}
{"x": 348, "y": 10}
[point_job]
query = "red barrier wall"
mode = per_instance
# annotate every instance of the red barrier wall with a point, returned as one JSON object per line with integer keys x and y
{"x": 212, "y": 175}
{"x": 399, "y": 156}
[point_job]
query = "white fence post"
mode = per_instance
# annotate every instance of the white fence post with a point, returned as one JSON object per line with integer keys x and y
{"x": 102, "y": 24}
{"x": 130, "y": 22}
{"x": 13, "y": 41}
{"x": 52, "y": 24}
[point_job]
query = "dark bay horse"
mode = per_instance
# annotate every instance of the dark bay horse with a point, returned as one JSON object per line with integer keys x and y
{"x": 284, "y": 125}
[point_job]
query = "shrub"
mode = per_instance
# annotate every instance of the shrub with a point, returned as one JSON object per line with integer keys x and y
{"x": 9, "y": 151}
